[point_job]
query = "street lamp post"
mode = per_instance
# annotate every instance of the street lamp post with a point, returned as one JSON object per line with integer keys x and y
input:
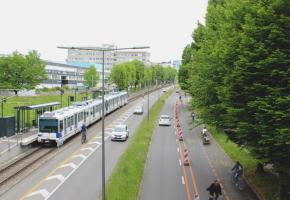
{"x": 103, "y": 50}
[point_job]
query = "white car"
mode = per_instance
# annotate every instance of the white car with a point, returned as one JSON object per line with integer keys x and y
{"x": 120, "y": 132}
{"x": 165, "y": 120}
{"x": 139, "y": 110}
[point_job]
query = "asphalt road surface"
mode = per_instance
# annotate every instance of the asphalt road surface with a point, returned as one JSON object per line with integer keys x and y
{"x": 76, "y": 168}
{"x": 165, "y": 176}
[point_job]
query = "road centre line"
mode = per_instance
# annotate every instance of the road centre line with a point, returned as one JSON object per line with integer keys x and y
{"x": 179, "y": 162}
{"x": 182, "y": 180}
{"x": 178, "y": 149}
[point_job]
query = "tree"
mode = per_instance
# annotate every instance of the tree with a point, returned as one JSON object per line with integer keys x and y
{"x": 91, "y": 76}
{"x": 119, "y": 76}
{"x": 140, "y": 72}
{"x": 237, "y": 71}
{"x": 19, "y": 71}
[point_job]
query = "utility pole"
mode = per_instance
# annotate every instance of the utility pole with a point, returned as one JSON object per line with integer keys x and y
{"x": 103, "y": 50}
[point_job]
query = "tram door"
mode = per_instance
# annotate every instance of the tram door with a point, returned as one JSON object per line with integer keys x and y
{"x": 76, "y": 120}
{"x": 65, "y": 126}
{"x": 85, "y": 116}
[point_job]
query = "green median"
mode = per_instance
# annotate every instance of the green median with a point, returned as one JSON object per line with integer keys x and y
{"x": 128, "y": 173}
{"x": 266, "y": 184}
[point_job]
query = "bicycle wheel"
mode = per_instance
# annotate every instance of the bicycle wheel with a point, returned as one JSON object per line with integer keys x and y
{"x": 241, "y": 184}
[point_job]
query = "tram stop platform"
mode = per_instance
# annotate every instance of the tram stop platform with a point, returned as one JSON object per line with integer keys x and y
{"x": 16, "y": 144}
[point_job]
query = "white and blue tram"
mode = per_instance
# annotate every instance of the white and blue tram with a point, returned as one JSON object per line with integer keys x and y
{"x": 63, "y": 123}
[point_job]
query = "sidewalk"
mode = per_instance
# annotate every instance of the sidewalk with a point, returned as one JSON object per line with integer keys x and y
{"x": 11, "y": 146}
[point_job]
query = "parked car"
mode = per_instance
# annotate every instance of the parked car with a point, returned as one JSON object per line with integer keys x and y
{"x": 177, "y": 91}
{"x": 120, "y": 132}
{"x": 138, "y": 110}
{"x": 165, "y": 120}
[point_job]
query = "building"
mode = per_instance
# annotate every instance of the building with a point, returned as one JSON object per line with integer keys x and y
{"x": 56, "y": 71}
{"x": 111, "y": 57}
{"x": 172, "y": 63}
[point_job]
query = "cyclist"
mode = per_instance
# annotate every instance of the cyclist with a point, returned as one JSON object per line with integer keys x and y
{"x": 238, "y": 171}
{"x": 84, "y": 133}
{"x": 215, "y": 190}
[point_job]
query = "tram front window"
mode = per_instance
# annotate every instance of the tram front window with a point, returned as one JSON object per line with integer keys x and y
{"x": 48, "y": 125}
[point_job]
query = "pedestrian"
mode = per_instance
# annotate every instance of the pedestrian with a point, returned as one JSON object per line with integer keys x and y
{"x": 84, "y": 133}
{"x": 214, "y": 190}
{"x": 59, "y": 140}
{"x": 196, "y": 197}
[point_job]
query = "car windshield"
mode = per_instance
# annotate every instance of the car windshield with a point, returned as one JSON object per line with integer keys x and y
{"x": 165, "y": 117}
{"x": 120, "y": 129}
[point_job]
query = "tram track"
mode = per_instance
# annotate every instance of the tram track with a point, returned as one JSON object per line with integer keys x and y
{"x": 16, "y": 170}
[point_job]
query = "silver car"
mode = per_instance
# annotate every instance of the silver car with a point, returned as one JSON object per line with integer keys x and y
{"x": 120, "y": 132}
{"x": 138, "y": 110}
{"x": 165, "y": 120}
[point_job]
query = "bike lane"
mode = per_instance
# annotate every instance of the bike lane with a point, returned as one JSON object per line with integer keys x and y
{"x": 209, "y": 162}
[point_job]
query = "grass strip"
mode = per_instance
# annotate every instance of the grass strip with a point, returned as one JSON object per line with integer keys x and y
{"x": 266, "y": 184}
{"x": 128, "y": 173}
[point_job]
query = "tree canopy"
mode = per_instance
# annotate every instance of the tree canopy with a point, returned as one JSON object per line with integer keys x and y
{"x": 237, "y": 70}
{"x": 91, "y": 76}
{"x": 136, "y": 74}
{"x": 19, "y": 71}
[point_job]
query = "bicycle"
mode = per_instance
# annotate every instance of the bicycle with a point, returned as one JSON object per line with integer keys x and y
{"x": 84, "y": 138}
{"x": 239, "y": 183}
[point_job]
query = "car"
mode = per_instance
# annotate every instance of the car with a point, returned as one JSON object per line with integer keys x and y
{"x": 120, "y": 132}
{"x": 165, "y": 120}
{"x": 138, "y": 110}
{"x": 177, "y": 91}
{"x": 164, "y": 90}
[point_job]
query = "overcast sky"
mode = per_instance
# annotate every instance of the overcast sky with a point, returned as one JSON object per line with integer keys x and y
{"x": 164, "y": 25}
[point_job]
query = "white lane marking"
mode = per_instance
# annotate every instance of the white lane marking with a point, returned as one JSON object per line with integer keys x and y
{"x": 178, "y": 149}
{"x": 180, "y": 162}
{"x": 176, "y": 140}
{"x": 182, "y": 180}
{"x": 58, "y": 176}
{"x": 95, "y": 142}
{"x": 79, "y": 156}
{"x": 42, "y": 192}
{"x": 98, "y": 137}
{"x": 87, "y": 148}
{"x": 72, "y": 165}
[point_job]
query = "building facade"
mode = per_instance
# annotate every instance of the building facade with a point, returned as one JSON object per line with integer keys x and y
{"x": 111, "y": 57}
{"x": 56, "y": 71}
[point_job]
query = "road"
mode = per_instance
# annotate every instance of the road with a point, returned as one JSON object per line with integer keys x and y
{"x": 79, "y": 166}
{"x": 165, "y": 176}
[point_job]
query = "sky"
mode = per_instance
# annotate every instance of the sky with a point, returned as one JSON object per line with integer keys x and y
{"x": 164, "y": 25}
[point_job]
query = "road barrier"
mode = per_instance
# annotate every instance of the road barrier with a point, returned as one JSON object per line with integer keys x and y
{"x": 185, "y": 157}
{"x": 180, "y": 136}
